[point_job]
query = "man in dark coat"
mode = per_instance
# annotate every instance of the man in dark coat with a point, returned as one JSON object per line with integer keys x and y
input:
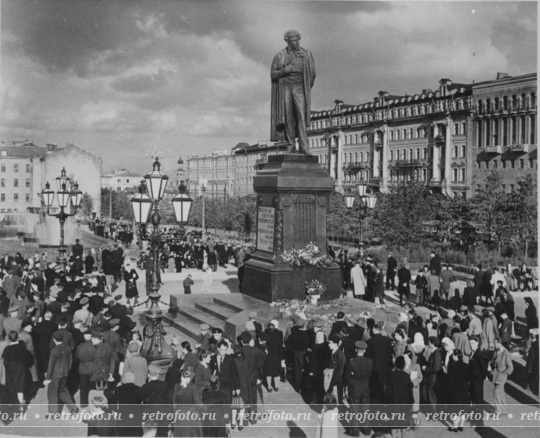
{"x": 435, "y": 264}
{"x": 127, "y": 400}
{"x": 157, "y": 398}
{"x": 118, "y": 258}
{"x": 391, "y": 272}
{"x": 65, "y": 336}
{"x": 336, "y": 368}
{"x": 478, "y": 365}
{"x": 379, "y": 349}
{"x": 298, "y": 342}
{"x": 469, "y": 295}
{"x": 478, "y": 276}
{"x": 338, "y": 324}
{"x": 378, "y": 285}
{"x": 356, "y": 378}
{"x": 255, "y": 358}
{"x": 104, "y": 361}
{"x": 430, "y": 372}
{"x": 188, "y": 282}
{"x": 85, "y": 355}
{"x": 78, "y": 251}
{"x": 222, "y": 364}
{"x": 57, "y": 373}
{"x": 42, "y": 335}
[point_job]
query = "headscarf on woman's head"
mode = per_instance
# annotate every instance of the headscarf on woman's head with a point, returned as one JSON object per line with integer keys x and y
{"x": 449, "y": 342}
{"x": 403, "y": 317}
{"x": 274, "y": 323}
{"x": 250, "y": 326}
{"x": 418, "y": 344}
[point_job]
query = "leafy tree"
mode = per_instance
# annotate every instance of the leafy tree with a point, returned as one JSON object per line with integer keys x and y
{"x": 87, "y": 205}
{"x": 121, "y": 207}
{"x": 399, "y": 215}
{"x": 489, "y": 208}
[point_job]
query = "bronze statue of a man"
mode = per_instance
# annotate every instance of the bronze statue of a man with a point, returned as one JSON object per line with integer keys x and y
{"x": 293, "y": 75}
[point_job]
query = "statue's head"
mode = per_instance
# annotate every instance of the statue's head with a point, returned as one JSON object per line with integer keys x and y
{"x": 293, "y": 38}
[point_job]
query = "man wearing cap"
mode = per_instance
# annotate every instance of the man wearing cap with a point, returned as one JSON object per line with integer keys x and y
{"x": 157, "y": 398}
{"x": 356, "y": 378}
{"x": 217, "y": 335}
{"x": 85, "y": 355}
{"x": 204, "y": 338}
{"x": 112, "y": 338}
{"x": 83, "y": 314}
{"x": 11, "y": 283}
{"x": 293, "y": 75}
{"x": 13, "y": 322}
{"x": 105, "y": 359}
{"x": 188, "y": 282}
{"x": 56, "y": 377}
{"x": 136, "y": 364}
{"x": 298, "y": 343}
{"x": 118, "y": 309}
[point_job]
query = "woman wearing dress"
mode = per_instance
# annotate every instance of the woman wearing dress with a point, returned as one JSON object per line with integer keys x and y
{"x": 202, "y": 371}
{"x": 272, "y": 364}
{"x": 187, "y": 397}
{"x": 413, "y": 370}
{"x": 131, "y": 277}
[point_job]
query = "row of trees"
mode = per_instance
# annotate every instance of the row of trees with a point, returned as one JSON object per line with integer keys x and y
{"x": 410, "y": 212}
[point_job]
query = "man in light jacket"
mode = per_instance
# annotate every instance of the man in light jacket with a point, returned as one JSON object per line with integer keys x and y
{"x": 502, "y": 367}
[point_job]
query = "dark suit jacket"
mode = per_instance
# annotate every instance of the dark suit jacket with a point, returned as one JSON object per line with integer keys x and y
{"x": 43, "y": 333}
{"x": 433, "y": 367}
{"x": 357, "y": 375}
{"x": 478, "y": 365}
{"x": 228, "y": 374}
{"x": 379, "y": 349}
{"x": 60, "y": 362}
{"x": 391, "y": 264}
{"x": 67, "y": 339}
{"x": 77, "y": 250}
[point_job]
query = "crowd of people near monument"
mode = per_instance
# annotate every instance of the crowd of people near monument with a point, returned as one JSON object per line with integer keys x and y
{"x": 70, "y": 333}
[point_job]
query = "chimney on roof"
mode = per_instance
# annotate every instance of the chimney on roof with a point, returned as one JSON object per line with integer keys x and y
{"x": 502, "y": 75}
{"x": 51, "y": 147}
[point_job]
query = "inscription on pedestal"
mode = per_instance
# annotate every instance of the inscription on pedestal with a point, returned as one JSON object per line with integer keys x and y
{"x": 304, "y": 217}
{"x": 265, "y": 229}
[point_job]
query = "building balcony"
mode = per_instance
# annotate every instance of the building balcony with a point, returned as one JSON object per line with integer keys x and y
{"x": 519, "y": 148}
{"x": 375, "y": 181}
{"x": 493, "y": 150}
{"x": 407, "y": 163}
{"x": 356, "y": 165}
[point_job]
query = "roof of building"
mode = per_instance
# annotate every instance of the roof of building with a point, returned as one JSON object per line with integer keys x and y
{"x": 23, "y": 150}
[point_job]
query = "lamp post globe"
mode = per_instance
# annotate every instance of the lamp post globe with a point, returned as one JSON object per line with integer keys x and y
{"x": 141, "y": 205}
{"x": 47, "y": 195}
{"x": 76, "y": 195}
{"x": 156, "y": 182}
{"x": 62, "y": 181}
{"x": 182, "y": 205}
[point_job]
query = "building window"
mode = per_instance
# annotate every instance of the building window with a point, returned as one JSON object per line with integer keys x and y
{"x": 27, "y": 183}
{"x": 417, "y": 153}
{"x": 425, "y": 156}
{"x": 455, "y": 175}
{"x": 3, "y": 197}
{"x": 494, "y": 164}
{"x": 3, "y": 168}
{"x": 16, "y": 197}
{"x": 16, "y": 168}
{"x": 28, "y": 168}
{"x": 391, "y": 155}
{"x": 463, "y": 151}
{"x": 455, "y": 152}
{"x": 15, "y": 183}
{"x": 503, "y": 162}
{"x": 522, "y": 164}
{"x": 2, "y": 182}
{"x": 462, "y": 174}
{"x": 512, "y": 164}
{"x": 456, "y": 129}
{"x": 531, "y": 164}
{"x": 27, "y": 197}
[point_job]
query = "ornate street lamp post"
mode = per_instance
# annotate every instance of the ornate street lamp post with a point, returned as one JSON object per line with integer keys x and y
{"x": 64, "y": 195}
{"x": 145, "y": 208}
{"x": 203, "y": 183}
{"x": 367, "y": 202}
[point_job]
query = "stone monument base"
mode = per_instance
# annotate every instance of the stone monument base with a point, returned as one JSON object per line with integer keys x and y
{"x": 269, "y": 282}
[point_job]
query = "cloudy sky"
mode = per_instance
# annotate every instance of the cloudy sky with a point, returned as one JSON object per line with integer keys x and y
{"x": 122, "y": 77}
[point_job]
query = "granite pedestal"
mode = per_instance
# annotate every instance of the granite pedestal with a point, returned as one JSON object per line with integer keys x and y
{"x": 293, "y": 193}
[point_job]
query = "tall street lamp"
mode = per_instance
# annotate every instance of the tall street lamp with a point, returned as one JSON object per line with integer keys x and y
{"x": 146, "y": 209}
{"x": 367, "y": 202}
{"x": 203, "y": 183}
{"x": 64, "y": 195}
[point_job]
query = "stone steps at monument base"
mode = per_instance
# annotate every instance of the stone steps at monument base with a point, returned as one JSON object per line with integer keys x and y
{"x": 216, "y": 310}
{"x": 234, "y": 307}
{"x": 184, "y": 325}
{"x": 198, "y": 316}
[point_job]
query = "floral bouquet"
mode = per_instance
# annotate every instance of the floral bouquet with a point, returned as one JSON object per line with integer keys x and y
{"x": 315, "y": 287}
{"x": 310, "y": 255}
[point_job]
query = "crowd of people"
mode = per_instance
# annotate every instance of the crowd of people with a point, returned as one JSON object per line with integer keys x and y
{"x": 69, "y": 332}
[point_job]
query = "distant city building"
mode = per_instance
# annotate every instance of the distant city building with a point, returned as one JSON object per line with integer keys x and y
{"x": 26, "y": 167}
{"x": 505, "y": 128}
{"x": 215, "y": 171}
{"x": 120, "y": 180}
{"x": 440, "y": 137}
